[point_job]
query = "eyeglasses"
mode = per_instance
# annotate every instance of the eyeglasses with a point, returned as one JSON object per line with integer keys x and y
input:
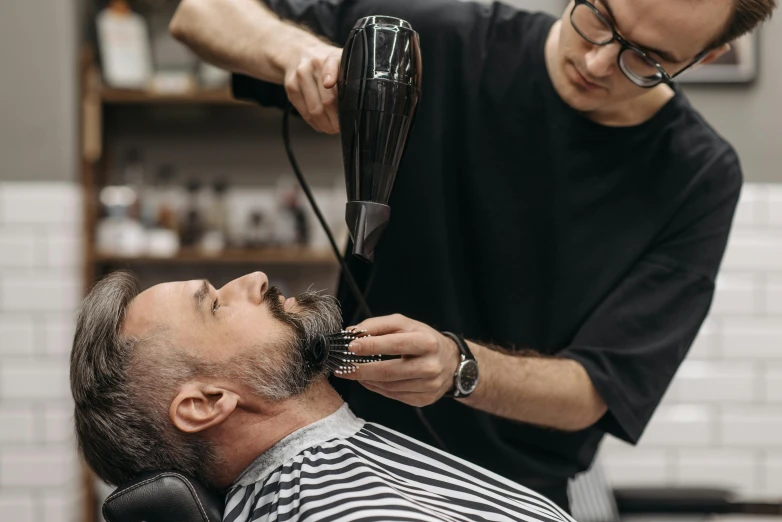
{"x": 636, "y": 65}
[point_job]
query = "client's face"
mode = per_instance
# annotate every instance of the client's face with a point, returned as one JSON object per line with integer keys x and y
{"x": 247, "y": 330}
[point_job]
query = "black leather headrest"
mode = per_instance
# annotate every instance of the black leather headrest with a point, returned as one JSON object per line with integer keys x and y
{"x": 163, "y": 496}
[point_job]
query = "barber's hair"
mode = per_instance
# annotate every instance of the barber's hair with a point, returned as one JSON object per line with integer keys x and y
{"x": 122, "y": 388}
{"x": 746, "y": 16}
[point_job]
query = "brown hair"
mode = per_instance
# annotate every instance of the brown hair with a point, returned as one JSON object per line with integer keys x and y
{"x": 121, "y": 401}
{"x": 746, "y": 16}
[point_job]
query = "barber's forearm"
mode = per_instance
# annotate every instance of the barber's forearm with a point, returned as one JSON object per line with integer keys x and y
{"x": 242, "y": 36}
{"x": 551, "y": 392}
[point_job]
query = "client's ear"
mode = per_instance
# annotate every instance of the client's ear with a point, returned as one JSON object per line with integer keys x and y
{"x": 198, "y": 406}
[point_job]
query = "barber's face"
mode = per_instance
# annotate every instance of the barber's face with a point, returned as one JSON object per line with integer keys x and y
{"x": 246, "y": 325}
{"x": 672, "y": 32}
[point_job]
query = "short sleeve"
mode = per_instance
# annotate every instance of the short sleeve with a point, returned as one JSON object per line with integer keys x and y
{"x": 634, "y": 341}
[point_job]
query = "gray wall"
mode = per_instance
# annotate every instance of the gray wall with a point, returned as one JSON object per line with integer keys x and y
{"x": 38, "y": 92}
{"x": 39, "y": 99}
{"x": 750, "y": 117}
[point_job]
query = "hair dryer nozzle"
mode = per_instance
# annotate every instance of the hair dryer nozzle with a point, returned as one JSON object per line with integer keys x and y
{"x": 366, "y": 222}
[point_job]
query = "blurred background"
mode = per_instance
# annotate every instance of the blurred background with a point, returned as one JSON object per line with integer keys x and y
{"x": 115, "y": 155}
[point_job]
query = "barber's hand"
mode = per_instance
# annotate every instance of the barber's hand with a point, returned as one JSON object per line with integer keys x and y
{"x": 311, "y": 84}
{"x": 425, "y": 371}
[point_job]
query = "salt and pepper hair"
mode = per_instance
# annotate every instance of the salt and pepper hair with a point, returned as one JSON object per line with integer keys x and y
{"x": 123, "y": 386}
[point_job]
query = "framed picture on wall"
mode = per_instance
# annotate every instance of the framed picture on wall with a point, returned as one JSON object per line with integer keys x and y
{"x": 739, "y": 65}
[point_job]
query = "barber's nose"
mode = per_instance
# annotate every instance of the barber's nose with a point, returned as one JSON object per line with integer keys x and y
{"x": 601, "y": 60}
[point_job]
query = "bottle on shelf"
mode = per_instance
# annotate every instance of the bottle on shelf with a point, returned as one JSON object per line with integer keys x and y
{"x": 163, "y": 239}
{"x": 192, "y": 227}
{"x": 215, "y": 237}
{"x": 117, "y": 233}
{"x": 120, "y": 231}
{"x": 257, "y": 233}
{"x": 291, "y": 225}
{"x": 123, "y": 39}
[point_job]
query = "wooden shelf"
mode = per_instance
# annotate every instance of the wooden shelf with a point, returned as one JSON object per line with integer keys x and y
{"x": 200, "y": 97}
{"x": 276, "y": 255}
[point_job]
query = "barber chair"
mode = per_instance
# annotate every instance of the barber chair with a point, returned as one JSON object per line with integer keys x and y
{"x": 163, "y": 496}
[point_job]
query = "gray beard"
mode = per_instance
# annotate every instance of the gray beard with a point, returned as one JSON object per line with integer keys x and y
{"x": 279, "y": 373}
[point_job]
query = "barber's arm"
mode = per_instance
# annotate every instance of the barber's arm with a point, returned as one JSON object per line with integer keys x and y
{"x": 244, "y": 36}
{"x": 550, "y": 392}
{"x": 618, "y": 365}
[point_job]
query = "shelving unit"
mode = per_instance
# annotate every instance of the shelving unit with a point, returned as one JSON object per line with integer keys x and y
{"x": 298, "y": 256}
{"x": 201, "y": 97}
{"x": 96, "y": 99}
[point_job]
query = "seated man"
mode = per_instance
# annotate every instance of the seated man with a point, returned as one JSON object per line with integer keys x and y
{"x": 215, "y": 383}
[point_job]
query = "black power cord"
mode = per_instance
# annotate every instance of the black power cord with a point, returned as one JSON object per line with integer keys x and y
{"x": 357, "y": 293}
{"x": 306, "y": 188}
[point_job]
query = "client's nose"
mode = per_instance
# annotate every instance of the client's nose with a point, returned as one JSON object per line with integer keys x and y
{"x": 251, "y": 286}
{"x": 258, "y": 285}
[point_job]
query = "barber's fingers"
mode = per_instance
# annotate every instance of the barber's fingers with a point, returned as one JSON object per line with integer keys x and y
{"x": 293, "y": 89}
{"x": 408, "y": 385}
{"x": 313, "y": 111}
{"x": 331, "y": 69}
{"x": 387, "y": 324}
{"x": 413, "y": 399}
{"x": 330, "y": 75}
{"x": 328, "y": 100}
{"x": 405, "y": 343}
{"x": 425, "y": 368}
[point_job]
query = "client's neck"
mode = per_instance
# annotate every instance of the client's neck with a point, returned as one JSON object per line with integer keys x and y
{"x": 253, "y": 429}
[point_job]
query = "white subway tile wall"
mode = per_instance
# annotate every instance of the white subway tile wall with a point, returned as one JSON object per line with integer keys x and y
{"x": 40, "y": 287}
{"x": 720, "y": 423}
{"x": 718, "y": 467}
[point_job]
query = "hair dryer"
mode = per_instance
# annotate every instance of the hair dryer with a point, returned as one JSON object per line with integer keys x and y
{"x": 379, "y": 87}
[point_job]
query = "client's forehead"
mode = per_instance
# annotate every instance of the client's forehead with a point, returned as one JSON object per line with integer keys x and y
{"x": 164, "y": 303}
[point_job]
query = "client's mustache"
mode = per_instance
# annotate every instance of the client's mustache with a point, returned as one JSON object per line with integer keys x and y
{"x": 316, "y": 315}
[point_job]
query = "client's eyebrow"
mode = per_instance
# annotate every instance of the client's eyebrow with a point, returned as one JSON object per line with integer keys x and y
{"x": 200, "y": 295}
{"x": 662, "y": 54}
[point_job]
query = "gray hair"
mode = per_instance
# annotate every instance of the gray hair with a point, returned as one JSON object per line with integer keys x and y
{"x": 121, "y": 408}
{"x": 123, "y": 386}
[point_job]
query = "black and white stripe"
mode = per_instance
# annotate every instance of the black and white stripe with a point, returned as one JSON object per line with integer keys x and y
{"x": 374, "y": 473}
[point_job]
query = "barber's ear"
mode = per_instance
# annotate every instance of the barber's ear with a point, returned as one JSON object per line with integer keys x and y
{"x": 198, "y": 406}
{"x": 714, "y": 54}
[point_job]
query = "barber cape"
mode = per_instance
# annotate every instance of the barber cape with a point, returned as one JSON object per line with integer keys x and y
{"x": 343, "y": 468}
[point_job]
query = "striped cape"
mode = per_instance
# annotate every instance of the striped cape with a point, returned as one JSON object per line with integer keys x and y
{"x": 342, "y": 468}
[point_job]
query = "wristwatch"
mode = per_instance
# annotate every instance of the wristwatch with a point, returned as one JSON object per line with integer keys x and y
{"x": 466, "y": 377}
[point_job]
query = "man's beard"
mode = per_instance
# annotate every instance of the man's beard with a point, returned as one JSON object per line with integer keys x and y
{"x": 281, "y": 372}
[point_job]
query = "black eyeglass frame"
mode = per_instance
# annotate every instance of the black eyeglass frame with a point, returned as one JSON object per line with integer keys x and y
{"x": 625, "y": 46}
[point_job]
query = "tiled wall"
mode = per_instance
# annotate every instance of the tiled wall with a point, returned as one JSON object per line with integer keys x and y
{"x": 720, "y": 423}
{"x": 721, "y": 420}
{"x": 40, "y": 287}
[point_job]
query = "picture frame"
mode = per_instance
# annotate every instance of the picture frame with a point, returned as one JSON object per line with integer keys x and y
{"x": 737, "y": 66}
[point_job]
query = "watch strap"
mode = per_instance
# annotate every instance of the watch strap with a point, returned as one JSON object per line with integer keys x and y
{"x": 466, "y": 354}
{"x": 461, "y": 343}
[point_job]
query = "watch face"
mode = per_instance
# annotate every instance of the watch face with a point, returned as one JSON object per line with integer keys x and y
{"x": 468, "y": 376}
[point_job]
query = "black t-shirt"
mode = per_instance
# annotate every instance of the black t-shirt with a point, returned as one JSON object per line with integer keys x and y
{"x": 517, "y": 221}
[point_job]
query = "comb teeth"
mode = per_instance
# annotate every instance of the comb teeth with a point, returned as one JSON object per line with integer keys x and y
{"x": 340, "y": 360}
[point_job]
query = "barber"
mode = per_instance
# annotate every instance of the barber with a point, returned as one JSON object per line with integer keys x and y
{"x": 560, "y": 205}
